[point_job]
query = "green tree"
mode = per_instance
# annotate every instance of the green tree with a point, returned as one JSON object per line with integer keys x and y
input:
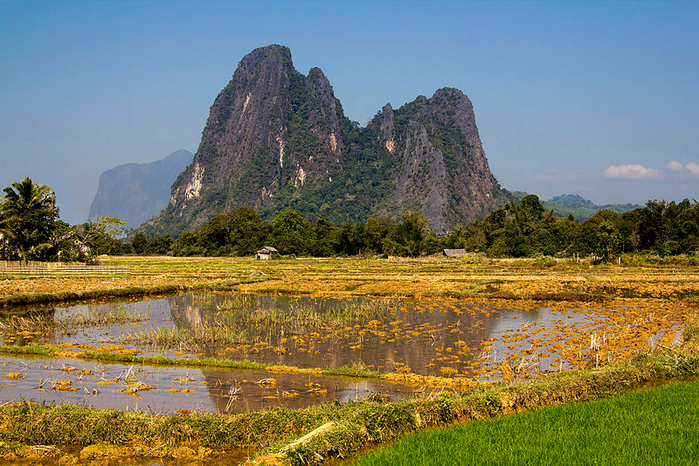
{"x": 322, "y": 239}
{"x": 139, "y": 242}
{"x": 240, "y": 233}
{"x": 85, "y": 242}
{"x": 351, "y": 239}
{"x": 28, "y": 214}
{"x": 160, "y": 245}
{"x": 600, "y": 235}
{"x": 215, "y": 235}
{"x": 531, "y": 207}
{"x": 249, "y": 232}
{"x": 409, "y": 235}
{"x": 188, "y": 244}
{"x": 609, "y": 240}
{"x": 376, "y": 232}
{"x": 103, "y": 235}
{"x": 688, "y": 226}
{"x": 290, "y": 230}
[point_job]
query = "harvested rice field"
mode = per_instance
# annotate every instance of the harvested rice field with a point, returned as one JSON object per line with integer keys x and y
{"x": 181, "y": 337}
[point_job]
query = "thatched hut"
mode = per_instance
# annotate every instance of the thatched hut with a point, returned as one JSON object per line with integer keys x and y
{"x": 266, "y": 253}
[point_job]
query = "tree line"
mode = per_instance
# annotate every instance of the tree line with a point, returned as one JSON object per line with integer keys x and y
{"x": 31, "y": 230}
{"x": 520, "y": 229}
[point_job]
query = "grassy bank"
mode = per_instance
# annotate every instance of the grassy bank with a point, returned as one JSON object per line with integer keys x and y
{"x": 384, "y": 424}
{"x": 119, "y": 355}
{"x": 658, "y": 426}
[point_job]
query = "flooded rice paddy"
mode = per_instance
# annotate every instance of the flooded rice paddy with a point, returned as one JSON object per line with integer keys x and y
{"x": 173, "y": 390}
{"x": 452, "y": 339}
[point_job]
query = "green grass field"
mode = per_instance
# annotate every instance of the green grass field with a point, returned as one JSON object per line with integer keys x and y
{"x": 649, "y": 427}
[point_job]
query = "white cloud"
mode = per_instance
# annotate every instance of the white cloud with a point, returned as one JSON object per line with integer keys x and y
{"x": 631, "y": 172}
{"x": 693, "y": 167}
{"x": 675, "y": 166}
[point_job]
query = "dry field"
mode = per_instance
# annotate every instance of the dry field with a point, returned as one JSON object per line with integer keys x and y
{"x": 424, "y": 277}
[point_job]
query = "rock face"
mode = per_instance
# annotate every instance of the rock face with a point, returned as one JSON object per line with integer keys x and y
{"x": 276, "y": 138}
{"x": 136, "y": 192}
{"x": 442, "y": 171}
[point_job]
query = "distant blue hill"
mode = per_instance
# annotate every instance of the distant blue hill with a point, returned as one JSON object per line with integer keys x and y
{"x": 577, "y": 206}
{"x": 136, "y": 192}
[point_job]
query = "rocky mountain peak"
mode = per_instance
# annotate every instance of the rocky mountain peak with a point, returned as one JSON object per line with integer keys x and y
{"x": 388, "y": 128}
{"x": 276, "y": 138}
{"x": 269, "y": 52}
{"x": 451, "y": 102}
{"x": 318, "y": 82}
{"x": 270, "y": 131}
{"x": 326, "y": 115}
{"x": 267, "y": 61}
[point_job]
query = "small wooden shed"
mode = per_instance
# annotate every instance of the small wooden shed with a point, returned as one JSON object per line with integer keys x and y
{"x": 454, "y": 252}
{"x": 266, "y": 253}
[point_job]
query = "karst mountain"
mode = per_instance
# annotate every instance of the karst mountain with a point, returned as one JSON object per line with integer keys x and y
{"x": 135, "y": 192}
{"x": 276, "y": 138}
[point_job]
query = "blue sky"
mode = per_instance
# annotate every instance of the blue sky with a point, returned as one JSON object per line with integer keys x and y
{"x": 593, "y": 98}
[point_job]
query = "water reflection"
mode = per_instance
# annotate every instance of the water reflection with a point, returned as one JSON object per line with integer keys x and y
{"x": 386, "y": 335}
{"x": 170, "y": 390}
{"x": 408, "y": 332}
{"x": 429, "y": 338}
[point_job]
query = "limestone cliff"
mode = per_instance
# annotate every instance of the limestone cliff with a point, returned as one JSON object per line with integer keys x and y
{"x": 276, "y": 138}
{"x": 442, "y": 170}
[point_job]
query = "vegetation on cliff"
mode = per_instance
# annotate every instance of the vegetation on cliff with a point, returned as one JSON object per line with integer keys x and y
{"x": 277, "y": 139}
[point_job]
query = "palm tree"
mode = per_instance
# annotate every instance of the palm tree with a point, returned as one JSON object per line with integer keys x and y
{"x": 27, "y": 215}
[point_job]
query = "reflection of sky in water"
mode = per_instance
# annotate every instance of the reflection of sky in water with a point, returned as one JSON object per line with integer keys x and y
{"x": 211, "y": 396}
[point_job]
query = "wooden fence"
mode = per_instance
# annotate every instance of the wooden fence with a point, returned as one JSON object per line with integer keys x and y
{"x": 75, "y": 269}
